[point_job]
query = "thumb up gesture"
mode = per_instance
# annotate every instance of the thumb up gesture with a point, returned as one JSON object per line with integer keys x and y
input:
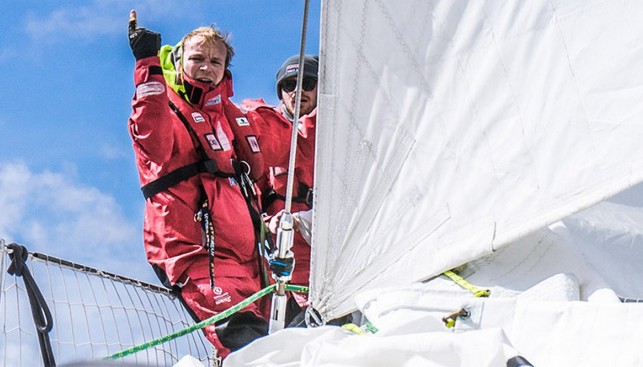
{"x": 143, "y": 42}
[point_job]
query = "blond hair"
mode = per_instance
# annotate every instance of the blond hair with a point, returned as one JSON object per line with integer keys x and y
{"x": 211, "y": 34}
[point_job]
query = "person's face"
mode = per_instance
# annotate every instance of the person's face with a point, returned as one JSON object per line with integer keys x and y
{"x": 288, "y": 91}
{"x": 204, "y": 61}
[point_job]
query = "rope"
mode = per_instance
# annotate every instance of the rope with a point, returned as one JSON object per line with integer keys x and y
{"x": 449, "y": 320}
{"x": 206, "y": 322}
{"x": 295, "y": 123}
{"x": 466, "y": 285}
{"x": 285, "y": 235}
{"x": 367, "y": 328}
{"x": 353, "y": 328}
{"x": 39, "y": 309}
{"x": 102, "y": 274}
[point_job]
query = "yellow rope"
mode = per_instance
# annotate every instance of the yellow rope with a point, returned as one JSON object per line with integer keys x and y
{"x": 449, "y": 320}
{"x": 354, "y": 328}
{"x": 466, "y": 285}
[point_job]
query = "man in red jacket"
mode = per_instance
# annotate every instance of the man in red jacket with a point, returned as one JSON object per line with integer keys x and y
{"x": 194, "y": 149}
{"x": 275, "y": 127}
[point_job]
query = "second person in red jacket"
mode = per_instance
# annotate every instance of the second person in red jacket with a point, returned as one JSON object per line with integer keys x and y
{"x": 275, "y": 128}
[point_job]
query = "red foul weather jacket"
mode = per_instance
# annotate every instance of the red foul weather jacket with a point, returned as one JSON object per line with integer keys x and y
{"x": 162, "y": 144}
{"x": 275, "y": 136}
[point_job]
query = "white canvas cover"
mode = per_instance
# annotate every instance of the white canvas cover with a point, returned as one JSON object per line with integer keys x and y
{"x": 549, "y": 303}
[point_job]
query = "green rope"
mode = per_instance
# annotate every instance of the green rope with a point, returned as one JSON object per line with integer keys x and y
{"x": 367, "y": 328}
{"x": 220, "y": 316}
{"x": 296, "y": 288}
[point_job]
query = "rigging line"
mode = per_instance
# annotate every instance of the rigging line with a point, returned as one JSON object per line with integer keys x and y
{"x": 285, "y": 233}
{"x": 39, "y": 309}
{"x": 206, "y": 322}
{"x": 100, "y": 273}
{"x": 295, "y": 123}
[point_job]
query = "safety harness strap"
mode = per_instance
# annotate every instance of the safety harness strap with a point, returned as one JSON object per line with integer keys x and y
{"x": 181, "y": 174}
{"x": 304, "y": 196}
{"x": 203, "y": 214}
{"x": 263, "y": 238}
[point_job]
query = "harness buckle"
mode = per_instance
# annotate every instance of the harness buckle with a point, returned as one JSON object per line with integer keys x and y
{"x": 211, "y": 166}
{"x": 309, "y": 197}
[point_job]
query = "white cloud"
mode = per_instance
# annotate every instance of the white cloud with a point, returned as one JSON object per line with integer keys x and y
{"x": 76, "y": 23}
{"x": 13, "y": 193}
{"x": 50, "y": 212}
{"x": 113, "y": 152}
{"x": 99, "y": 18}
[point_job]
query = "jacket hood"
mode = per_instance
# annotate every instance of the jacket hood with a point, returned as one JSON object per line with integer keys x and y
{"x": 189, "y": 89}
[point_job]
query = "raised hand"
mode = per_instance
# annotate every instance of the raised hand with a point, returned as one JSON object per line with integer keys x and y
{"x": 143, "y": 42}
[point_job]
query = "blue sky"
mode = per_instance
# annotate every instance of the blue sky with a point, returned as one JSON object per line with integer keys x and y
{"x": 68, "y": 183}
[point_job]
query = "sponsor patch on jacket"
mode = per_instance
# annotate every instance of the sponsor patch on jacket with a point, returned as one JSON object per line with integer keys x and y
{"x": 215, "y": 100}
{"x": 223, "y": 138}
{"x": 220, "y": 296}
{"x": 254, "y": 144}
{"x": 212, "y": 140}
{"x": 149, "y": 89}
{"x": 242, "y": 121}
{"x": 197, "y": 117}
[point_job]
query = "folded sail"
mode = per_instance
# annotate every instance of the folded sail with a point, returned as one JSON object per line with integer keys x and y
{"x": 449, "y": 128}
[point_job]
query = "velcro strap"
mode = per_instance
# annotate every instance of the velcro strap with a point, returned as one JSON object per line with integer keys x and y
{"x": 155, "y": 70}
{"x": 180, "y": 174}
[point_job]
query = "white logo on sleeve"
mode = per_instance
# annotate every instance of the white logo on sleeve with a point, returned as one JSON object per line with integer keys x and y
{"x": 149, "y": 89}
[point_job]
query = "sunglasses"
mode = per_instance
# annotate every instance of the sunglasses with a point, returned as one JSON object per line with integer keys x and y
{"x": 289, "y": 85}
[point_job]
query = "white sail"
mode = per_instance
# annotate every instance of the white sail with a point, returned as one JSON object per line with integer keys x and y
{"x": 448, "y": 129}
